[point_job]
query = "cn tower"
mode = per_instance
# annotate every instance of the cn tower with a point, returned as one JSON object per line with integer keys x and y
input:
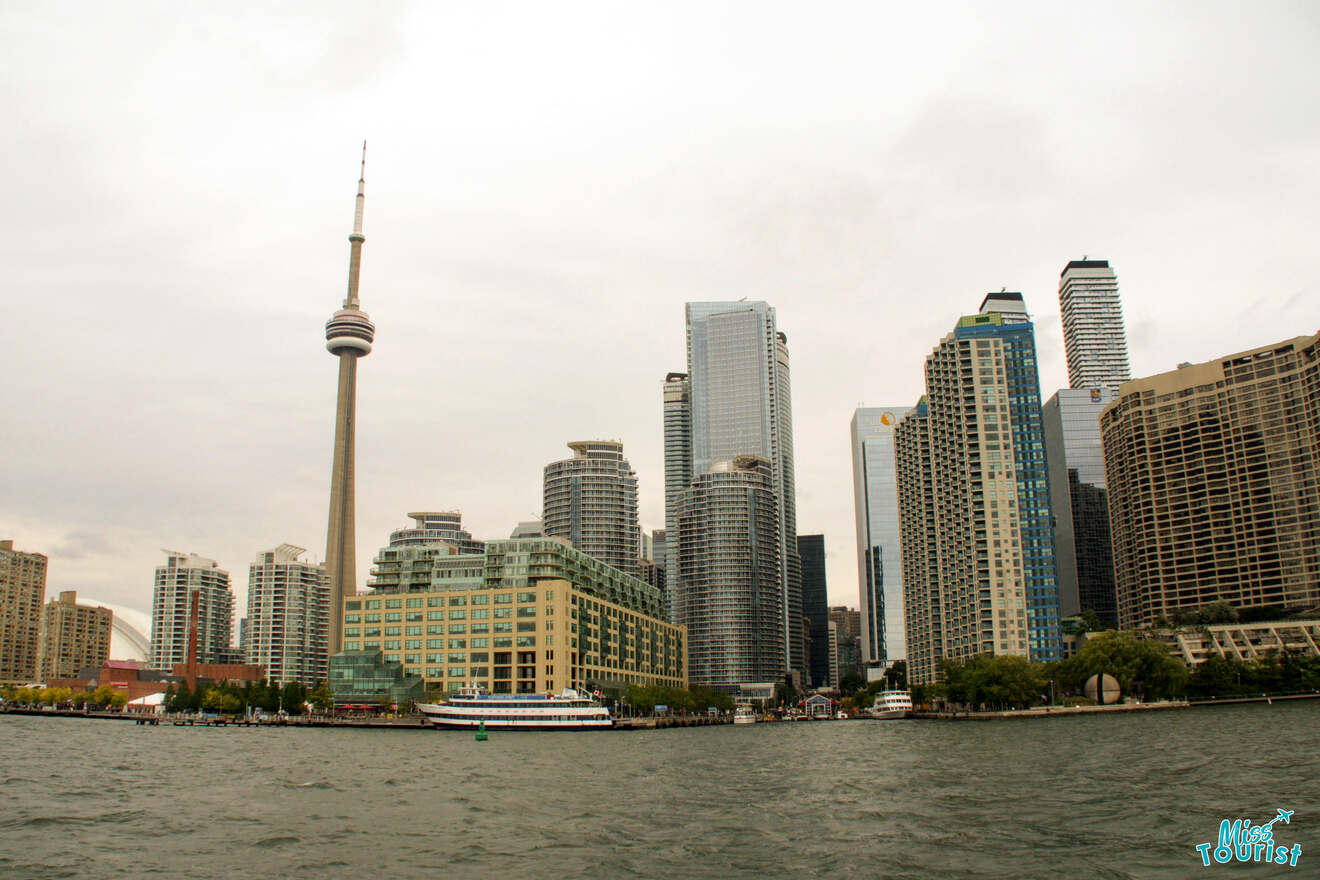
{"x": 348, "y": 336}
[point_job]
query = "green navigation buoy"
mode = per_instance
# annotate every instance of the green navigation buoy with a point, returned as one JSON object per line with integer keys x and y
{"x": 481, "y": 732}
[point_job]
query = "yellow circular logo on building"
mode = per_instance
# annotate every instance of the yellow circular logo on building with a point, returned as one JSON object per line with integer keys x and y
{"x": 887, "y": 418}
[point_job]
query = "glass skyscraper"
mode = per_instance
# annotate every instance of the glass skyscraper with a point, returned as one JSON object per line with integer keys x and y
{"x": 816, "y": 606}
{"x": 735, "y": 400}
{"x": 879, "y": 569}
{"x": 1071, "y": 419}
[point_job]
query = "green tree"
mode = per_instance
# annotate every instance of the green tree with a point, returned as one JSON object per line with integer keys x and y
{"x": 103, "y": 695}
{"x": 118, "y": 700}
{"x": 293, "y": 695}
{"x": 1141, "y": 666}
{"x": 1090, "y": 622}
{"x": 851, "y": 683}
{"x": 322, "y": 698}
{"x": 994, "y": 681}
{"x": 54, "y": 696}
{"x": 895, "y": 676}
{"x": 181, "y": 699}
{"x": 1216, "y": 612}
{"x": 641, "y": 697}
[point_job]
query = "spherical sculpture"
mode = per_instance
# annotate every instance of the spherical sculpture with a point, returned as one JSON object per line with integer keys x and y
{"x": 349, "y": 331}
{"x": 1102, "y": 688}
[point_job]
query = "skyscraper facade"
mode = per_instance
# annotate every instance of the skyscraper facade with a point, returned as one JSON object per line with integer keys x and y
{"x": 923, "y": 615}
{"x": 1213, "y": 473}
{"x": 431, "y": 526}
{"x": 288, "y": 617}
{"x": 182, "y": 575}
{"x": 590, "y": 500}
{"x": 845, "y": 628}
{"x": 1096, "y": 349}
{"x": 348, "y": 336}
{"x": 1071, "y": 420}
{"x": 22, "y": 590}
{"x": 678, "y": 472}
{"x": 728, "y": 552}
{"x": 815, "y": 606}
{"x": 989, "y": 488}
{"x": 875, "y": 501}
{"x": 739, "y": 404}
{"x": 73, "y": 637}
{"x": 1093, "y": 336}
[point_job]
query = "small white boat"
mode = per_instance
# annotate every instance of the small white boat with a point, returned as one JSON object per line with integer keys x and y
{"x": 891, "y": 704}
{"x": 744, "y": 715}
{"x": 472, "y": 706}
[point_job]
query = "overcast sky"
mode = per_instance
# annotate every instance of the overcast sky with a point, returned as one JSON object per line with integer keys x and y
{"x": 547, "y": 184}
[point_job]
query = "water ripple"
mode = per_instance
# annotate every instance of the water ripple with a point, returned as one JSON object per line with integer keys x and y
{"x": 1117, "y": 798}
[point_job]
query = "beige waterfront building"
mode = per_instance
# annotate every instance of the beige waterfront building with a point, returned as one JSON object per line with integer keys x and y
{"x": 22, "y": 590}
{"x": 73, "y": 637}
{"x": 1213, "y": 472}
{"x": 525, "y": 616}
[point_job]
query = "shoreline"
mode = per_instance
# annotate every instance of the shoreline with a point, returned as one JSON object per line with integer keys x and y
{"x": 1064, "y": 711}
{"x": 634, "y": 723}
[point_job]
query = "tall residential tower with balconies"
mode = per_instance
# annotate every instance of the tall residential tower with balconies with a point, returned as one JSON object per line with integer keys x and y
{"x": 1213, "y": 473}
{"x": 590, "y": 500}
{"x": 182, "y": 575}
{"x": 22, "y": 590}
{"x": 288, "y": 615}
{"x": 981, "y": 493}
{"x": 1092, "y": 315}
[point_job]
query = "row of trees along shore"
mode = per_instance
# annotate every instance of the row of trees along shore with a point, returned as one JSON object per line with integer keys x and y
{"x": 231, "y": 699}
{"x": 1143, "y": 668}
{"x": 644, "y": 698}
{"x": 104, "y": 696}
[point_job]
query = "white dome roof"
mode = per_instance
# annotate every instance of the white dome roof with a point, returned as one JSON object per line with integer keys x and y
{"x": 130, "y": 631}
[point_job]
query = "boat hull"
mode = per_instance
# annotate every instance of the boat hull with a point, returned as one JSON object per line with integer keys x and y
{"x": 890, "y": 714}
{"x": 496, "y": 724}
{"x": 546, "y": 716}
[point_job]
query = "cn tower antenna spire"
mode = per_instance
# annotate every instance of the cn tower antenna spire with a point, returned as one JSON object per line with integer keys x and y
{"x": 356, "y": 238}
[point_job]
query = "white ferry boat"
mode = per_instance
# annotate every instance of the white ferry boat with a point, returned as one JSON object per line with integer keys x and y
{"x": 744, "y": 714}
{"x": 471, "y": 705}
{"x": 892, "y": 704}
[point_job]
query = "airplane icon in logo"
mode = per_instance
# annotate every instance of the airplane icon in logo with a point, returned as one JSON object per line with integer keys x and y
{"x": 1285, "y": 815}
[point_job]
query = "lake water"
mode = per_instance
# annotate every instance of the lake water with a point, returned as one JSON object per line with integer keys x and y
{"x": 1118, "y": 796}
